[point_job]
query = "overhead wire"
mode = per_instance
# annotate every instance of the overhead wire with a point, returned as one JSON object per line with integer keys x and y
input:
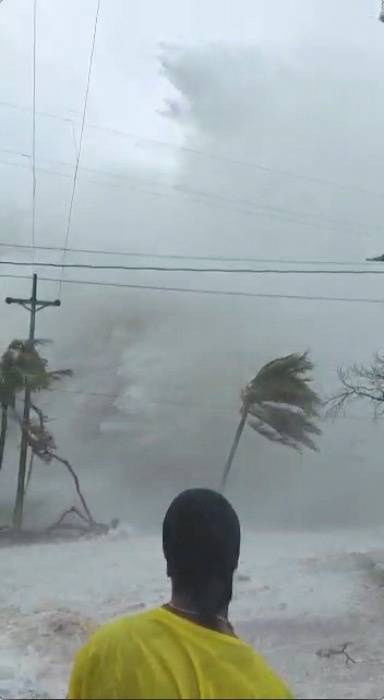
{"x": 275, "y": 210}
{"x": 210, "y": 292}
{"x": 235, "y": 161}
{"x": 49, "y": 171}
{"x": 185, "y": 404}
{"x": 34, "y": 128}
{"x": 77, "y": 164}
{"x": 160, "y": 268}
{"x": 247, "y": 207}
{"x": 172, "y": 256}
{"x": 140, "y": 140}
{"x": 40, "y": 113}
{"x": 283, "y": 216}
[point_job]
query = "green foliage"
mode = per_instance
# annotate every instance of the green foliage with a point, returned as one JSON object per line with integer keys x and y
{"x": 280, "y": 403}
{"x": 22, "y": 365}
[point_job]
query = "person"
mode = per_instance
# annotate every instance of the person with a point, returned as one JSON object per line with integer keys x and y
{"x": 187, "y": 648}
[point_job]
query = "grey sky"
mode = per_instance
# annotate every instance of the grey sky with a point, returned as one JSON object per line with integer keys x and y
{"x": 296, "y": 87}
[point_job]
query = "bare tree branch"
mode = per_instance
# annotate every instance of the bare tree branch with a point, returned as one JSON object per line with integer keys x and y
{"x": 77, "y": 484}
{"x": 86, "y": 527}
{"x": 337, "y": 651}
{"x": 40, "y": 415}
{"x": 359, "y": 383}
{"x": 67, "y": 512}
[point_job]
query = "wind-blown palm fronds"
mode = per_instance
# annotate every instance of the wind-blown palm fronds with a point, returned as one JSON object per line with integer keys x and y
{"x": 279, "y": 423}
{"x": 21, "y": 365}
{"x": 23, "y": 368}
{"x": 280, "y": 405}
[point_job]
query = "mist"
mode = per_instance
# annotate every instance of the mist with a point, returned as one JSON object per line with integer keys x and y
{"x": 266, "y": 146}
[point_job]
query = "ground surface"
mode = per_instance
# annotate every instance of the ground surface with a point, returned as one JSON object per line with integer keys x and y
{"x": 299, "y": 599}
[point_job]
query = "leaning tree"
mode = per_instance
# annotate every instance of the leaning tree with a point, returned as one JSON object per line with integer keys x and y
{"x": 43, "y": 445}
{"x": 22, "y": 365}
{"x": 280, "y": 405}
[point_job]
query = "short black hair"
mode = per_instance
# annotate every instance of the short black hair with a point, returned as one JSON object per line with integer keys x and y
{"x": 201, "y": 543}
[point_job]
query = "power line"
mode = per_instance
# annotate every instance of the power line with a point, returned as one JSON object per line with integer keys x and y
{"x": 159, "y": 268}
{"x": 140, "y": 140}
{"x": 76, "y": 172}
{"x": 48, "y": 171}
{"x": 244, "y": 206}
{"x": 20, "y": 108}
{"x": 34, "y": 129}
{"x": 172, "y": 256}
{"x": 235, "y": 161}
{"x": 210, "y": 292}
{"x": 26, "y": 167}
{"x": 185, "y": 404}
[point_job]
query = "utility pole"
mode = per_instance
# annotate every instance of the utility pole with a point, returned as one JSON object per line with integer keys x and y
{"x": 33, "y": 305}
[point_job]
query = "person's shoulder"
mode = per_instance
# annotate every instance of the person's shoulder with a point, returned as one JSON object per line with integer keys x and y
{"x": 122, "y": 629}
{"x": 96, "y": 660}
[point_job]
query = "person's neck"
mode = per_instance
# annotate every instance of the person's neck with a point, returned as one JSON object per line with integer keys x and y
{"x": 183, "y": 606}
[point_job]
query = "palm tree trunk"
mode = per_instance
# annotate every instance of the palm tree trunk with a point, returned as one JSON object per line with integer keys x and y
{"x": 77, "y": 485}
{"x": 30, "y": 469}
{"x": 234, "y": 447}
{"x": 3, "y": 431}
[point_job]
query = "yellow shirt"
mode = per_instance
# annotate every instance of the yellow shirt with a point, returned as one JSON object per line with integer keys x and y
{"x": 157, "y": 654}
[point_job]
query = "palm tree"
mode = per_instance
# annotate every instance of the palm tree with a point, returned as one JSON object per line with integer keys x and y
{"x": 24, "y": 365}
{"x": 279, "y": 404}
{"x": 10, "y": 383}
{"x": 21, "y": 364}
{"x": 7, "y": 400}
{"x": 3, "y": 430}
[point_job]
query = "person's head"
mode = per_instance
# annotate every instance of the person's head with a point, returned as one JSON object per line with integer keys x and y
{"x": 201, "y": 544}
